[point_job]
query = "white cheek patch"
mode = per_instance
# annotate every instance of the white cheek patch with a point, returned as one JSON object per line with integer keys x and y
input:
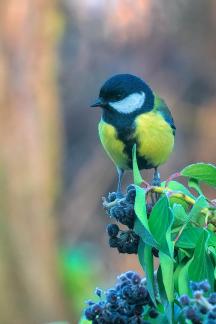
{"x": 129, "y": 104}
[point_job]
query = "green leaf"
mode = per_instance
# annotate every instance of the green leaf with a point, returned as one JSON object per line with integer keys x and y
{"x": 160, "y": 222}
{"x": 140, "y": 207}
{"x": 183, "y": 279}
{"x": 167, "y": 267}
{"x": 176, "y": 275}
{"x": 195, "y": 213}
{"x": 136, "y": 173}
{"x": 203, "y": 172}
{"x": 180, "y": 216}
{"x": 141, "y": 226}
{"x": 194, "y": 183}
{"x": 146, "y": 260}
{"x": 211, "y": 249}
{"x": 182, "y": 253}
{"x": 161, "y": 288}
{"x": 201, "y": 266}
{"x": 189, "y": 237}
{"x": 144, "y": 234}
{"x": 212, "y": 239}
{"x": 163, "y": 296}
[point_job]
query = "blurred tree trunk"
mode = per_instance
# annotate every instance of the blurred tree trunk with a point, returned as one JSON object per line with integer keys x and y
{"x": 29, "y": 162}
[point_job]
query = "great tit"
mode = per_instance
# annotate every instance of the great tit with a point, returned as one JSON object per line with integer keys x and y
{"x": 133, "y": 114}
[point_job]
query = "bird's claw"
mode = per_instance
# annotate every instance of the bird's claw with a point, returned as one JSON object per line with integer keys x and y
{"x": 156, "y": 182}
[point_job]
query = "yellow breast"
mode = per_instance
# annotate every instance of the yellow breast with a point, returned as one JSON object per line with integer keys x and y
{"x": 112, "y": 145}
{"x": 154, "y": 137}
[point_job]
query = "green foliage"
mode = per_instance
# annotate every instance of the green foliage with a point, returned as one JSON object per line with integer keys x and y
{"x": 176, "y": 223}
{"x": 146, "y": 260}
{"x": 203, "y": 172}
{"x": 181, "y": 226}
{"x": 137, "y": 176}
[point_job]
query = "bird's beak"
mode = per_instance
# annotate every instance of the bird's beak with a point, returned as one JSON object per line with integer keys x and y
{"x": 99, "y": 103}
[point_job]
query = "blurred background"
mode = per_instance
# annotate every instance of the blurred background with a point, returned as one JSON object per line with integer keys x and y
{"x": 54, "y": 56}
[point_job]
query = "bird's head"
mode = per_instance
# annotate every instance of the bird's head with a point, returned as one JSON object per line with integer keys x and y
{"x": 125, "y": 94}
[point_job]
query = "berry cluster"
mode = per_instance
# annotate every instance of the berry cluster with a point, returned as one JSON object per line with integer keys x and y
{"x": 123, "y": 211}
{"x": 124, "y": 241}
{"x": 201, "y": 308}
{"x": 127, "y": 302}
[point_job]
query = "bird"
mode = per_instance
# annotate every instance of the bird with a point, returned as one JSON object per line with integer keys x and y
{"x": 133, "y": 114}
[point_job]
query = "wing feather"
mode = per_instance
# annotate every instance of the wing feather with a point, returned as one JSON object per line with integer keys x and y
{"x": 161, "y": 107}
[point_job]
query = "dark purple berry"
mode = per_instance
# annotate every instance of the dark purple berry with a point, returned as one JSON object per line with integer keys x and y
{"x": 141, "y": 293}
{"x": 112, "y": 196}
{"x": 98, "y": 292}
{"x": 123, "y": 278}
{"x": 203, "y": 310}
{"x": 96, "y": 309}
{"x": 129, "y": 274}
{"x": 116, "y": 212}
{"x": 204, "y": 285}
{"x": 153, "y": 313}
{"x": 194, "y": 286}
{"x": 114, "y": 242}
{"x": 192, "y": 315}
{"x": 138, "y": 309}
{"x": 212, "y": 315}
{"x": 136, "y": 279}
{"x": 90, "y": 302}
{"x": 89, "y": 314}
{"x": 118, "y": 319}
{"x": 184, "y": 300}
{"x": 131, "y": 186}
{"x": 127, "y": 292}
{"x": 111, "y": 307}
{"x": 123, "y": 304}
{"x": 190, "y": 312}
{"x": 119, "y": 212}
{"x": 131, "y": 195}
{"x": 212, "y": 298}
{"x": 121, "y": 247}
{"x": 131, "y": 248}
{"x": 112, "y": 296}
{"x": 112, "y": 230}
{"x": 129, "y": 217}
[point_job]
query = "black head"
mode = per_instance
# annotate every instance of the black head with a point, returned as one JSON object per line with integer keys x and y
{"x": 125, "y": 93}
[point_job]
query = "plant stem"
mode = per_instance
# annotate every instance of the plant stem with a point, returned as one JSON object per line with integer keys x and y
{"x": 174, "y": 194}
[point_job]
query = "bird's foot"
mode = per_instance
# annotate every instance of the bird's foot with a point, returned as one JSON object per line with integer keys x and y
{"x": 156, "y": 182}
